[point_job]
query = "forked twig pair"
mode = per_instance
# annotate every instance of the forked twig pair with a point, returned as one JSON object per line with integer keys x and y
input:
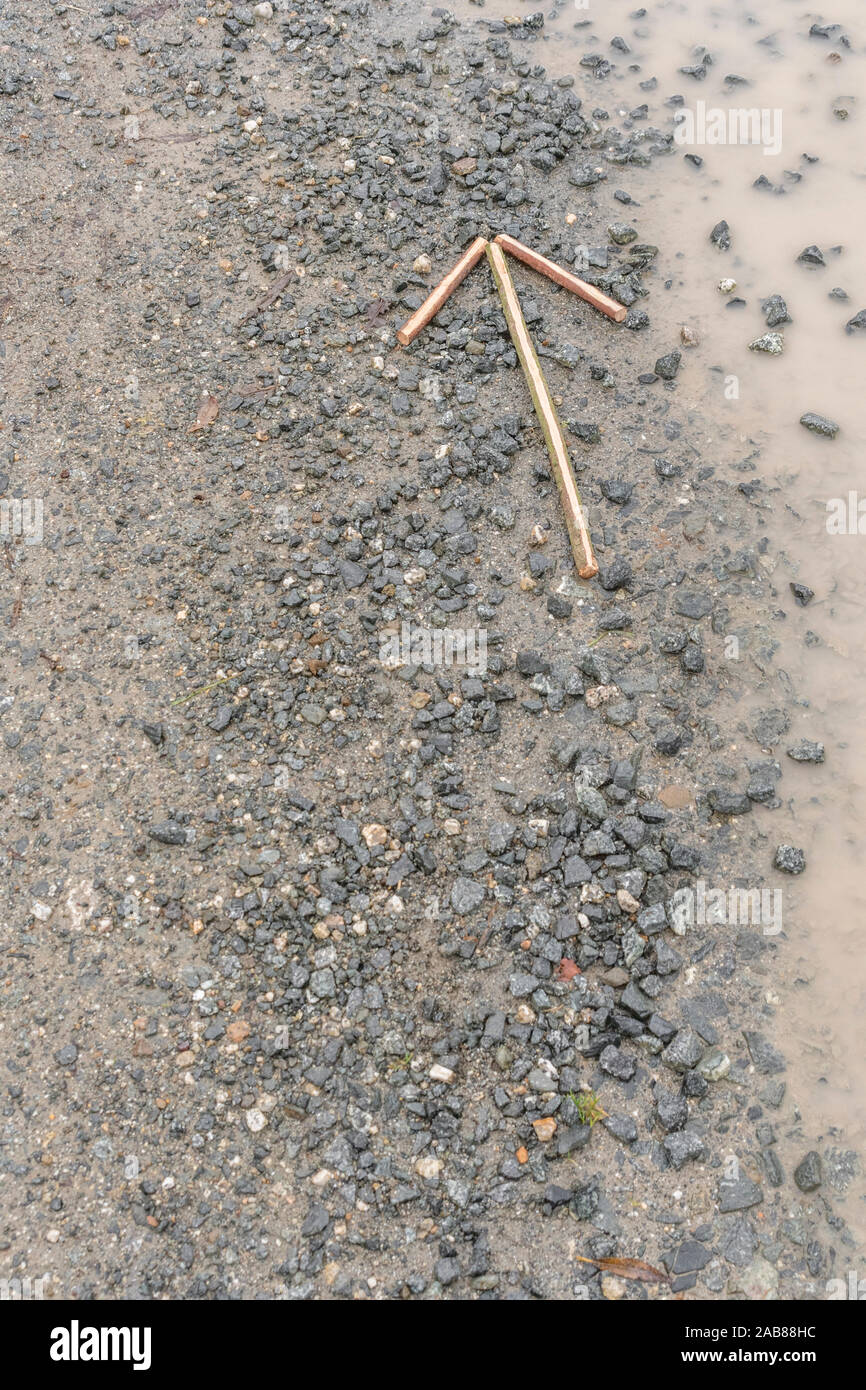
{"x": 581, "y": 544}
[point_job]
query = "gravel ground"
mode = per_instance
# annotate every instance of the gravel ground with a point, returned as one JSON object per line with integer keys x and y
{"x": 326, "y": 977}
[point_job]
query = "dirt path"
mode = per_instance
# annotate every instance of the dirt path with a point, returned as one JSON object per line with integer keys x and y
{"x": 327, "y": 977}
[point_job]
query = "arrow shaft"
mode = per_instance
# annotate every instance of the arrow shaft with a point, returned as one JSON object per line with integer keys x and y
{"x": 603, "y": 302}
{"x": 578, "y": 532}
{"x": 436, "y": 298}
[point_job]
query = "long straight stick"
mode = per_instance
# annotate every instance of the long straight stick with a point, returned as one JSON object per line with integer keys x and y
{"x": 436, "y": 298}
{"x": 581, "y": 545}
{"x": 611, "y": 307}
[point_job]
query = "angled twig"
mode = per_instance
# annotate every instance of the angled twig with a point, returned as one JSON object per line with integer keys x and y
{"x": 554, "y": 272}
{"x": 434, "y": 301}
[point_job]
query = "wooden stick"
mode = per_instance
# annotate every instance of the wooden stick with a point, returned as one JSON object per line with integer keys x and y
{"x": 581, "y": 545}
{"x": 436, "y": 298}
{"x": 554, "y": 272}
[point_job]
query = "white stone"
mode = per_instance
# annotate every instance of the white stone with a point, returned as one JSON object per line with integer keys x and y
{"x": 374, "y": 834}
{"x": 428, "y": 1167}
{"x": 439, "y": 1073}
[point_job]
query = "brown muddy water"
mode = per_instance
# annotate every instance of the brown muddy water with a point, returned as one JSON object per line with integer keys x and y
{"x": 811, "y": 92}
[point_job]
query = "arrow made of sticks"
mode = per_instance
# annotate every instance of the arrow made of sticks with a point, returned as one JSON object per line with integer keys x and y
{"x": 578, "y": 532}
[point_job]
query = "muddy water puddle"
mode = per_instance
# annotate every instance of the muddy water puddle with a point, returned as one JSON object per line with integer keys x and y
{"x": 800, "y": 97}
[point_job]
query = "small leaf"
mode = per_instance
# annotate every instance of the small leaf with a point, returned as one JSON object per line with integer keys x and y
{"x": 376, "y": 311}
{"x": 628, "y": 1269}
{"x": 207, "y": 413}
